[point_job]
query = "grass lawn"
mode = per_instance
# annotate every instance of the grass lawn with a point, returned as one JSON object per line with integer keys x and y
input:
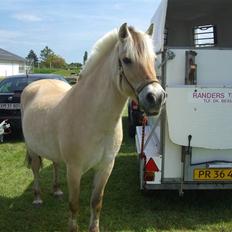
{"x": 62, "y": 72}
{"x": 125, "y": 207}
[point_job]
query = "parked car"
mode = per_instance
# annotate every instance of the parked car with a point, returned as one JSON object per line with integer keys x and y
{"x": 10, "y": 92}
{"x": 135, "y": 117}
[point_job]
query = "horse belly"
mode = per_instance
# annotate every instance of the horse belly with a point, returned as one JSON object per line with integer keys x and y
{"x": 40, "y": 136}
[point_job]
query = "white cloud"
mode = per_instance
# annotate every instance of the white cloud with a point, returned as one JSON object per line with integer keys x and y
{"x": 7, "y": 35}
{"x": 118, "y": 6}
{"x": 27, "y": 17}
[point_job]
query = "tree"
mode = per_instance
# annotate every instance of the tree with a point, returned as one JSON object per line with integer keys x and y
{"x": 58, "y": 62}
{"x": 54, "y": 61}
{"x": 51, "y": 60}
{"x": 32, "y": 58}
{"x": 45, "y": 53}
{"x": 85, "y": 57}
{"x": 74, "y": 65}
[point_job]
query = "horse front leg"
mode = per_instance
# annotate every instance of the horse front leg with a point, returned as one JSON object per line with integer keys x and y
{"x": 56, "y": 185}
{"x": 100, "y": 179}
{"x": 74, "y": 178}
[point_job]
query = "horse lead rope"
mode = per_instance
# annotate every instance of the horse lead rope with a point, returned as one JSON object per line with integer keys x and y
{"x": 144, "y": 123}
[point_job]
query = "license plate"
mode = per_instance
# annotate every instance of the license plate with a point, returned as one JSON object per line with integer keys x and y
{"x": 10, "y": 106}
{"x": 213, "y": 174}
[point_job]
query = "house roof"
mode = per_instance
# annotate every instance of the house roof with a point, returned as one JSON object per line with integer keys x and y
{"x": 8, "y": 56}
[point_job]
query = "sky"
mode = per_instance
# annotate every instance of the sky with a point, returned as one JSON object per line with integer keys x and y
{"x": 68, "y": 27}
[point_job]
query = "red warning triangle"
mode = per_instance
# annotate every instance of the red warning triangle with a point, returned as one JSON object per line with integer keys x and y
{"x": 151, "y": 166}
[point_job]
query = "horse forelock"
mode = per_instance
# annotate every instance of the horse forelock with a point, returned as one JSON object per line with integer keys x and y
{"x": 141, "y": 47}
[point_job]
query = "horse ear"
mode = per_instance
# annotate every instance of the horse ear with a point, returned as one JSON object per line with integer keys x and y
{"x": 123, "y": 32}
{"x": 150, "y": 29}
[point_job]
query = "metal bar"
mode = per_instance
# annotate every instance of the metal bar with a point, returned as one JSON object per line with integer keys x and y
{"x": 204, "y": 38}
{"x": 205, "y": 45}
{"x": 190, "y": 186}
{"x": 220, "y": 165}
{"x": 201, "y": 33}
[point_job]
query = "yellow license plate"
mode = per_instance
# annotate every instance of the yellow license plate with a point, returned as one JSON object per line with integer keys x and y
{"x": 205, "y": 174}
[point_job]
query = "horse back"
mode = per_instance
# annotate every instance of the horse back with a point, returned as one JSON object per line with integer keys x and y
{"x": 46, "y": 91}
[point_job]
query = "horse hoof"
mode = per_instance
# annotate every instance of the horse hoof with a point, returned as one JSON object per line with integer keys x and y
{"x": 37, "y": 202}
{"x": 58, "y": 193}
{"x": 94, "y": 230}
{"x": 73, "y": 227}
{"x": 73, "y": 230}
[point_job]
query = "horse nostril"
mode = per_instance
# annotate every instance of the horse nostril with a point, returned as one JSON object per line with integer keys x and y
{"x": 155, "y": 100}
{"x": 151, "y": 98}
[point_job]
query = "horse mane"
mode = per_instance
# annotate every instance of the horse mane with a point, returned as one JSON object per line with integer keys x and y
{"x": 101, "y": 47}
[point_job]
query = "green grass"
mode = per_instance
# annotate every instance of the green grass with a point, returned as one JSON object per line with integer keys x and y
{"x": 63, "y": 72}
{"x": 125, "y": 208}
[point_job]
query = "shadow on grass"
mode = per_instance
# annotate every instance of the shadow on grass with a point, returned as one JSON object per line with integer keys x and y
{"x": 125, "y": 207}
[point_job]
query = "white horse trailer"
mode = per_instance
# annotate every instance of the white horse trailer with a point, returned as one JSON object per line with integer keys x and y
{"x": 189, "y": 146}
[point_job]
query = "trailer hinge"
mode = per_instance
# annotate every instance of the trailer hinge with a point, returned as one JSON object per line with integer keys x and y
{"x": 169, "y": 55}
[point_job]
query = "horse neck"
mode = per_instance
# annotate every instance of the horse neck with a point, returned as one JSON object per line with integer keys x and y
{"x": 99, "y": 91}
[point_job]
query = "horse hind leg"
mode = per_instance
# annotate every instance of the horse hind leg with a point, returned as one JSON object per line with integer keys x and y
{"x": 56, "y": 185}
{"x": 100, "y": 180}
{"x": 35, "y": 163}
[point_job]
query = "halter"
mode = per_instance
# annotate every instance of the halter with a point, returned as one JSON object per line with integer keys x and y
{"x": 138, "y": 90}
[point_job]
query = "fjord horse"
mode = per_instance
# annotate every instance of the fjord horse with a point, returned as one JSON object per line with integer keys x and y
{"x": 82, "y": 125}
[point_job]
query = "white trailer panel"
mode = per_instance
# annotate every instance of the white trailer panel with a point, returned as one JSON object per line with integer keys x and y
{"x": 202, "y": 112}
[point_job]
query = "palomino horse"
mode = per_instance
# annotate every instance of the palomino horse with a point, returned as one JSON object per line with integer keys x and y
{"x": 82, "y": 125}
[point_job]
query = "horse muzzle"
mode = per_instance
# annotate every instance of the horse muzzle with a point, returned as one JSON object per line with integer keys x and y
{"x": 152, "y": 99}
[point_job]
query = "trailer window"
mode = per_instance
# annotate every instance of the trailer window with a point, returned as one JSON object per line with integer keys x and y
{"x": 205, "y": 36}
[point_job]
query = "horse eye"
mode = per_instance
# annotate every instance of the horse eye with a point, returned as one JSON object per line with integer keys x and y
{"x": 126, "y": 60}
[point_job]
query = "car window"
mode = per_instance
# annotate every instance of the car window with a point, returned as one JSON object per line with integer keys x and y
{"x": 20, "y": 84}
{"x": 6, "y": 86}
{"x": 13, "y": 85}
